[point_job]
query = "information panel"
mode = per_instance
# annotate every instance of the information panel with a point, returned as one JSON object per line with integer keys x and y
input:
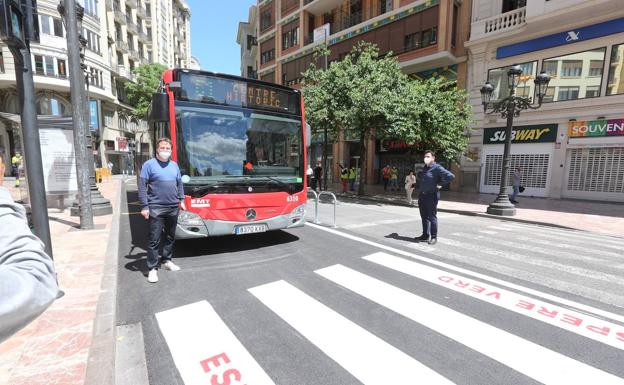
{"x": 211, "y": 89}
{"x": 58, "y": 160}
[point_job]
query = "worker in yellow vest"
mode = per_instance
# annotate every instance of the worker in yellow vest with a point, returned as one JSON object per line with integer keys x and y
{"x": 344, "y": 178}
{"x": 17, "y": 166}
{"x": 352, "y": 176}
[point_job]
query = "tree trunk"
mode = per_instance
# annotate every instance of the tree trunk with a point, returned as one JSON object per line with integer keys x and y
{"x": 363, "y": 156}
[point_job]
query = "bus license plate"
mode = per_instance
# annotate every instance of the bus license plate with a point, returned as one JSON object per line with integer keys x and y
{"x": 250, "y": 229}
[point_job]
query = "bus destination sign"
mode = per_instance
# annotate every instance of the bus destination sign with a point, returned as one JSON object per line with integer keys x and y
{"x": 210, "y": 89}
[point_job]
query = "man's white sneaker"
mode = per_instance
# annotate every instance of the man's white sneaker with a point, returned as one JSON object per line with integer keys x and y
{"x": 171, "y": 266}
{"x": 152, "y": 277}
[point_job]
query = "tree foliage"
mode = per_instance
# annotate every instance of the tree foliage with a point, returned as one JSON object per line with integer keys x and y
{"x": 140, "y": 91}
{"x": 369, "y": 95}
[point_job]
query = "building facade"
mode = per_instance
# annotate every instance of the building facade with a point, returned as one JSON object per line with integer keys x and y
{"x": 247, "y": 39}
{"x": 426, "y": 36}
{"x": 573, "y": 146}
{"x": 121, "y": 35}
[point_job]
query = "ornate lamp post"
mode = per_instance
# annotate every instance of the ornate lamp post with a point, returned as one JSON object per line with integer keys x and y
{"x": 509, "y": 108}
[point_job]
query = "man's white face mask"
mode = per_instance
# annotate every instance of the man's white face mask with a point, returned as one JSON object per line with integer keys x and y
{"x": 165, "y": 154}
{"x": 428, "y": 160}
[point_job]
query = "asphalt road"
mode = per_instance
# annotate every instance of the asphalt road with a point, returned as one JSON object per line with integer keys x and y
{"x": 493, "y": 302}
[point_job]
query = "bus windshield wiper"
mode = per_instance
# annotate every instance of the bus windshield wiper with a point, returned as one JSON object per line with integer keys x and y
{"x": 288, "y": 186}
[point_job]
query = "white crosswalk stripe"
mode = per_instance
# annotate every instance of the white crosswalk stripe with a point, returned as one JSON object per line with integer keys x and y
{"x": 367, "y": 357}
{"x": 571, "y": 235}
{"x": 533, "y": 360}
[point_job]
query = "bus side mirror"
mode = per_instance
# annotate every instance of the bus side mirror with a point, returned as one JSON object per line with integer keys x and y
{"x": 159, "y": 108}
{"x": 308, "y": 135}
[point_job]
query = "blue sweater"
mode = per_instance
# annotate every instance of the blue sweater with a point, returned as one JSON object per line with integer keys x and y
{"x": 160, "y": 184}
{"x": 431, "y": 177}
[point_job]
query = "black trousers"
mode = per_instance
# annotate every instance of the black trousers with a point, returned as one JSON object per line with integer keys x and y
{"x": 162, "y": 224}
{"x": 428, "y": 206}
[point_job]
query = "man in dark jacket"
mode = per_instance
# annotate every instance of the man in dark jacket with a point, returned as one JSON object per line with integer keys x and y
{"x": 432, "y": 178}
{"x": 318, "y": 177}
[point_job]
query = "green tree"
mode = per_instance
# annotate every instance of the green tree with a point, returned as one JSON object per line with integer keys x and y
{"x": 369, "y": 95}
{"x": 140, "y": 92}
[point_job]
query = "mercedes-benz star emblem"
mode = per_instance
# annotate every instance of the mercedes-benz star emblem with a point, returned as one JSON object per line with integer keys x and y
{"x": 251, "y": 214}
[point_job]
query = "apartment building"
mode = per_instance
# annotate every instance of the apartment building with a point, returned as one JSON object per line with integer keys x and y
{"x": 581, "y": 45}
{"x": 426, "y": 36}
{"x": 247, "y": 38}
{"x": 120, "y": 35}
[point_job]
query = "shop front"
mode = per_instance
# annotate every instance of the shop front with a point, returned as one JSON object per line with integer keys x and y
{"x": 532, "y": 150}
{"x": 595, "y": 160}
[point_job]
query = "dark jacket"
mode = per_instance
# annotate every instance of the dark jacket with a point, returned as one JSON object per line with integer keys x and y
{"x": 431, "y": 177}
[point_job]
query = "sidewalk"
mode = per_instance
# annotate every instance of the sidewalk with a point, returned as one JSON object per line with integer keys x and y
{"x": 599, "y": 217}
{"x": 56, "y": 347}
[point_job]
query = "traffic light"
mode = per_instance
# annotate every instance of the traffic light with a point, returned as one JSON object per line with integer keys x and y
{"x": 12, "y": 23}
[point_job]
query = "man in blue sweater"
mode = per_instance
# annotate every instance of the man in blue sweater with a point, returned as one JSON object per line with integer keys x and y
{"x": 161, "y": 195}
{"x": 432, "y": 178}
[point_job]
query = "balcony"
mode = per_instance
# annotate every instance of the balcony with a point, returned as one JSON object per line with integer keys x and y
{"x": 320, "y": 7}
{"x": 505, "y": 22}
{"x": 132, "y": 27}
{"x": 141, "y": 12}
{"x": 131, "y": 3}
{"x": 109, "y": 5}
{"x": 143, "y": 37}
{"x": 114, "y": 67}
{"x": 120, "y": 17}
{"x": 122, "y": 45}
{"x": 134, "y": 54}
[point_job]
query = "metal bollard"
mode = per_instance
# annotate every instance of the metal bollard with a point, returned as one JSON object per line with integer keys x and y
{"x": 335, "y": 202}
{"x": 316, "y": 203}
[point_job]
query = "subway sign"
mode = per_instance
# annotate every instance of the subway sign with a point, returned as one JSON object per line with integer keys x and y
{"x": 541, "y": 133}
{"x": 596, "y": 128}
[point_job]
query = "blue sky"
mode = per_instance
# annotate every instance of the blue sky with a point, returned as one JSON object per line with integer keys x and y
{"x": 214, "y": 25}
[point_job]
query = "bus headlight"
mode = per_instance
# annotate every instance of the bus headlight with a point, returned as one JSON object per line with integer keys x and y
{"x": 187, "y": 218}
{"x": 298, "y": 212}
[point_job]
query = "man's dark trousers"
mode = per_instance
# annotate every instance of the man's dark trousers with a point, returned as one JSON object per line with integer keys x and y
{"x": 162, "y": 221}
{"x": 428, "y": 206}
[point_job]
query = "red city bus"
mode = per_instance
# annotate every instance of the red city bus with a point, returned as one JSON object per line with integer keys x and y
{"x": 241, "y": 147}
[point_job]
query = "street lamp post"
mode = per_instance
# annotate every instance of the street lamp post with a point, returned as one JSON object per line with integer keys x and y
{"x": 509, "y": 108}
{"x": 325, "y": 165}
{"x": 90, "y": 202}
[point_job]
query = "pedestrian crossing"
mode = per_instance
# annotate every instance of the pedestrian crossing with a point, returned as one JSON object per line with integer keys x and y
{"x": 206, "y": 348}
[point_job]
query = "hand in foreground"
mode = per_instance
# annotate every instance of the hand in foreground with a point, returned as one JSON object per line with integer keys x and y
{"x": 145, "y": 213}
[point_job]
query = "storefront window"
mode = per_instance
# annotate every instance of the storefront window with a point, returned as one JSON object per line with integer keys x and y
{"x": 615, "y": 84}
{"x": 575, "y": 76}
{"x": 52, "y": 106}
{"x": 498, "y": 78}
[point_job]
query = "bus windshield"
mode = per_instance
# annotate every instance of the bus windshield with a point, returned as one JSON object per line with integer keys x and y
{"x": 224, "y": 145}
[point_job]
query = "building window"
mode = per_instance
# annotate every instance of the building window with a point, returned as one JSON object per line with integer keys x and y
{"x": 511, "y": 5}
{"x": 615, "y": 84}
{"x": 45, "y": 25}
{"x": 95, "y": 77}
{"x": 573, "y": 78}
{"x": 58, "y": 27}
{"x": 568, "y": 93}
{"x": 50, "y": 105}
{"x": 595, "y": 68}
{"x": 498, "y": 78}
{"x": 266, "y": 20}
{"x": 267, "y": 56}
{"x": 429, "y": 37}
{"x": 290, "y": 38}
{"x": 49, "y": 65}
{"x": 592, "y": 91}
{"x": 385, "y": 6}
{"x": 39, "y": 65}
{"x": 455, "y": 27}
{"x": 61, "y": 68}
{"x": 412, "y": 41}
{"x": 571, "y": 68}
{"x": 93, "y": 40}
{"x": 91, "y": 7}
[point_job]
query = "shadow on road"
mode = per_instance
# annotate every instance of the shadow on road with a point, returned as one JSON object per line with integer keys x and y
{"x": 401, "y": 238}
{"x": 197, "y": 247}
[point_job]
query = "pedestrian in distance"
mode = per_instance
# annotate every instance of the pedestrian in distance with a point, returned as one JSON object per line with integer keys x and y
{"x": 410, "y": 182}
{"x": 17, "y": 165}
{"x": 394, "y": 178}
{"x": 385, "y": 174}
{"x": 344, "y": 177}
{"x": 27, "y": 277}
{"x": 517, "y": 175}
{"x": 318, "y": 176}
{"x": 309, "y": 175}
{"x": 352, "y": 176}
{"x": 161, "y": 194}
{"x": 432, "y": 178}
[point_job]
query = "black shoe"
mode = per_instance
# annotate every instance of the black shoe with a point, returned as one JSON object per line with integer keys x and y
{"x": 433, "y": 240}
{"x": 422, "y": 238}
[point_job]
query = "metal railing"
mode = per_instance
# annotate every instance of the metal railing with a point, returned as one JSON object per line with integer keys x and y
{"x": 317, "y": 198}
